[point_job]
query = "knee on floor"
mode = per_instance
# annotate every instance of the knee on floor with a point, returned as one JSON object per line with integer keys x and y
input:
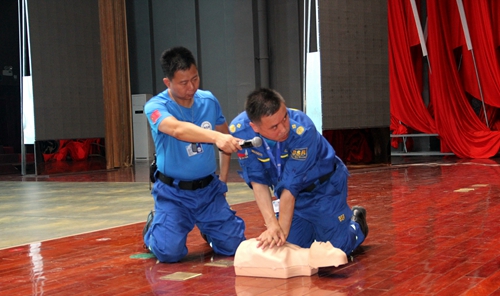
{"x": 167, "y": 256}
{"x": 166, "y": 251}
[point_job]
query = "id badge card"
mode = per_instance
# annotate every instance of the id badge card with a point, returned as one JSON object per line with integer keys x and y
{"x": 276, "y": 206}
{"x": 194, "y": 148}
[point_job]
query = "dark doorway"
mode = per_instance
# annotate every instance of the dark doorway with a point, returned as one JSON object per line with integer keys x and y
{"x": 10, "y": 96}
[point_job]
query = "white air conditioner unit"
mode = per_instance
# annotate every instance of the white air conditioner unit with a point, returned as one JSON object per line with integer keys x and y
{"x": 144, "y": 147}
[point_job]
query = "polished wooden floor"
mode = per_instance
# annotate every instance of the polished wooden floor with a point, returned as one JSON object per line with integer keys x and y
{"x": 434, "y": 230}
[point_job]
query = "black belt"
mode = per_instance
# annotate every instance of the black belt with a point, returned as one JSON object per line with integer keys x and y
{"x": 186, "y": 185}
{"x": 321, "y": 180}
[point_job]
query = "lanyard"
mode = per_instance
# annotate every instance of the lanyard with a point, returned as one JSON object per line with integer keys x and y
{"x": 275, "y": 161}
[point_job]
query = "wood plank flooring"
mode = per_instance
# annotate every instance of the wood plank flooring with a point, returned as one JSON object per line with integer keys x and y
{"x": 434, "y": 230}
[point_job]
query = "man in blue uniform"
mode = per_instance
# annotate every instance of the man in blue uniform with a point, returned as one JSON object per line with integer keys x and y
{"x": 187, "y": 124}
{"x": 308, "y": 179}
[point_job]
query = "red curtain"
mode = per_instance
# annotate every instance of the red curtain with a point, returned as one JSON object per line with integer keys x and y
{"x": 407, "y": 105}
{"x": 484, "y": 53}
{"x": 453, "y": 88}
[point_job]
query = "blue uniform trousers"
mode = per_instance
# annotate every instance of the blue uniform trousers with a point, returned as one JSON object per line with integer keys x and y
{"x": 324, "y": 215}
{"x": 176, "y": 213}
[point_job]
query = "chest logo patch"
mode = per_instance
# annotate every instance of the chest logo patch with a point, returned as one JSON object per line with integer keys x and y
{"x": 299, "y": 153}
{"x": 206, "y": 125}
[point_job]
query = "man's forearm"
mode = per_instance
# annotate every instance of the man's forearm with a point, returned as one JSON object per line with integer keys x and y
{"x": 287, "y": 205}
{"x": 187, "y": 131}
{"x": 224, "y": 162}
{"x": 224, "y": 158}
{"x": 264, "y": 202}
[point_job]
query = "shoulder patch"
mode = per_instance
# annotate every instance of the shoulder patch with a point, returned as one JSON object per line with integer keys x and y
{"x": 299, "y": 154}
{"x": 300, "y": 130}
{"x": 232, "y": 128}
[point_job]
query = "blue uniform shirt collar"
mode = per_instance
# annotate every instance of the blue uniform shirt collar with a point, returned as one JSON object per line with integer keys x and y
{"x": 271, "y": 143}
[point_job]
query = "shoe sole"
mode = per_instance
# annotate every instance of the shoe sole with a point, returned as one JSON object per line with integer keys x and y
{"x": 363, "y": 212}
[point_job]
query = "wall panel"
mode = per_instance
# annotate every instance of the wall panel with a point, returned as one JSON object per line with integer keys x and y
{"x": 354, "y": 63}
{"x": 227, "y": 52}
{"x": 66, "y": 69}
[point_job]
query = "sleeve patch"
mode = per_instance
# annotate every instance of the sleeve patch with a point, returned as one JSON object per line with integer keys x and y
{"x": 155, "y": 115}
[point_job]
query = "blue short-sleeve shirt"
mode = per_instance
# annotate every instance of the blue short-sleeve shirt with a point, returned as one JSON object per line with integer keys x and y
{"x": 179, "y": 159}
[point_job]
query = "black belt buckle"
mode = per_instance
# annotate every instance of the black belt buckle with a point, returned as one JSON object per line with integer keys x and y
{"x": 196, "y": 184}
{"x": 190, "y": 185}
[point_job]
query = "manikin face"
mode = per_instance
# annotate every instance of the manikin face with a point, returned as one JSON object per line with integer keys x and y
{"x": 275, "y": 127}
{"x": 183, "y": 85}
{"x": 322, "y": 254}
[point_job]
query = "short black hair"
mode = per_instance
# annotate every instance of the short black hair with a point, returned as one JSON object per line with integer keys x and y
{"x": 263, "y": 102}
{"x": 175, "y": 59}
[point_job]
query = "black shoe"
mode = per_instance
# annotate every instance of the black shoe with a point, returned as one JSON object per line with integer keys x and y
{"x": 149, "y": 220}
{"x": 359, "y": 215}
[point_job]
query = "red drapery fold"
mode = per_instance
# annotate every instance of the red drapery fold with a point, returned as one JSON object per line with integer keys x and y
{"x": 494, "y": 7}
{"x": 485, "y": 54}
{"x": 407, "y": 105}
{"x": 461, "y": 130}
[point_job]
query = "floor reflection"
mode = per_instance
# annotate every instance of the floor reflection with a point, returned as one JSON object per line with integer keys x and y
{"x": 37, "y": 276}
